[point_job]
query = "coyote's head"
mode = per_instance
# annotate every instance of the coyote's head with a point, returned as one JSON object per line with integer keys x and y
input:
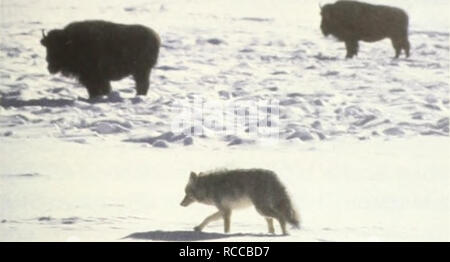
{"x": 191, "y": 191}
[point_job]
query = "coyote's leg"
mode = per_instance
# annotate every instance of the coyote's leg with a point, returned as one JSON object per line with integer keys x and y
{"x": 208, "y": 220}
{"x": 283, "y": 226}
{"x": 226, "y": 220}
{"x": 270, "y": 225}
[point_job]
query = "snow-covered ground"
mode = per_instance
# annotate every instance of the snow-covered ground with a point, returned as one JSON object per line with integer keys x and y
{"x": 346, "y": 191}
{"x": 362, "y": 144}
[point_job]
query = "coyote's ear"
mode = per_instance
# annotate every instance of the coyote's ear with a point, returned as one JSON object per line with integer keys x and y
{"x": 193, "y": 176}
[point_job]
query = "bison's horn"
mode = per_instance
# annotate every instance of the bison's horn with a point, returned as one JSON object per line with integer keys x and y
{"x": 43, "y": 33}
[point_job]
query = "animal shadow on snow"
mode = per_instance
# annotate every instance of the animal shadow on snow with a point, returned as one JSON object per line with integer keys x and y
{"x": 159, "y": 235}
{"x": 44, "y": 102}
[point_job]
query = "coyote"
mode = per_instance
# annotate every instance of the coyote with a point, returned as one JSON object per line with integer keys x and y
{"x": 231, "y": 189}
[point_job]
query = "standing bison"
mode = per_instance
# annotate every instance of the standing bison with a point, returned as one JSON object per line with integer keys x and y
{"x": 352, "y": 21}
{"x": 97, "y": 52}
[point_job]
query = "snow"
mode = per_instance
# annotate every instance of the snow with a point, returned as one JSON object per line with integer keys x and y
{"x": 362, "y": 145}
{"x": 363, "y": 191}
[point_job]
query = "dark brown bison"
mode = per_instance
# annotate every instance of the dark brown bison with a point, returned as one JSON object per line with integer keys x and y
{"x": 97, "y": 52}
{"x": 352, "y": 21}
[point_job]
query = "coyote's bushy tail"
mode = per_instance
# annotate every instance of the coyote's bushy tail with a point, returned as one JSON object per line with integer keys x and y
{"x": 293, "y": 218}
{"x": 290, "y": 213}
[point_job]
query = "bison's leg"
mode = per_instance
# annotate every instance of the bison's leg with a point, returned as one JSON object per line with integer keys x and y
{"x": 398, "y": 44}
{"x": 104, "y": 88}
{"x": 91, "y": 88}
{"x": 96, "y": 87}
{"x": 352, "y": 48}
{"x": 142, "y": 79}
{"x": 406, "y": 46}
{"x": 356, "y": 48}
{"x": 403, "y": 41}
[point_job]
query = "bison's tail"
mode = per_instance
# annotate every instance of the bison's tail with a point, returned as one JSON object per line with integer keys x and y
{"x": 158, "y": 46}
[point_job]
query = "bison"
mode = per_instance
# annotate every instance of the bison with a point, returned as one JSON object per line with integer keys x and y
{"x": 97, "y": 52}
{"x": 352, "y": 21}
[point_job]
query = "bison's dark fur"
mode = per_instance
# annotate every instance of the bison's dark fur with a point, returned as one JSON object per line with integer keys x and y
{"x": 352, "y": 21}
{"x": 97, "y": 52}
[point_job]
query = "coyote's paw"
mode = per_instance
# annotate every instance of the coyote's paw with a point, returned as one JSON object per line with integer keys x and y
{"x": 197, "y": 229}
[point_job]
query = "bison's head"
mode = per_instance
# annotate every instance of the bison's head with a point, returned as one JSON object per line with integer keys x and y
{"x": 56, "y": 42}
{"x": 327, "y": 19}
